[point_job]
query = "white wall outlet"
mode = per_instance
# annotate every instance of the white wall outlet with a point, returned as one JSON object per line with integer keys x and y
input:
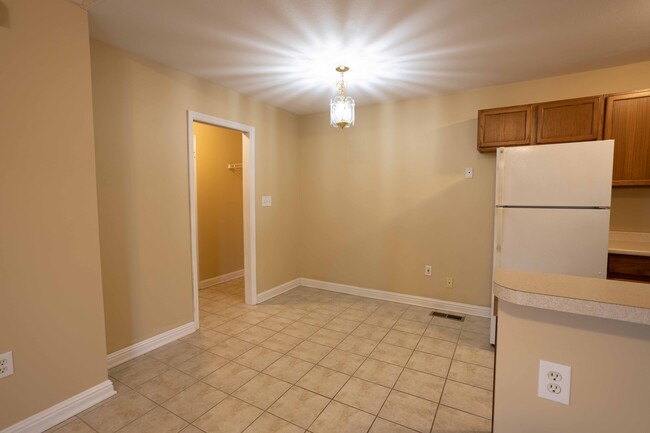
{"x": 469, "y": 172}
{"x": 266, "y": 200}
{"x": 6, "y": 364}
{"x": 554, "y": 382}
{"x": 450, "y": 283}
{"x": 427, "y": 270}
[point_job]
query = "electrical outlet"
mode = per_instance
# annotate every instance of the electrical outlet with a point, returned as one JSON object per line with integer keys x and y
{"x": 554, "y": 382}
{"x": 450, "y": 283}
{"x": 427, "y": 270}
{"x": 6, "y": 364}
{"x": 266, "y": 200}
{"x": 469, "y": 173}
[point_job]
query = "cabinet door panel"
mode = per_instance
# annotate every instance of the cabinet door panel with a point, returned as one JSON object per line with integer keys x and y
{"x": 570, "y": 120}
{"x": 627, "y": 121}
{"x": 509, "y": 126}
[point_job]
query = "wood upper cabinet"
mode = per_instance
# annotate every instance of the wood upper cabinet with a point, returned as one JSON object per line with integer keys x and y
{"x": 510, "y": 126}
{"x": 570, "y": 120}
{"x": 627, "y": 121}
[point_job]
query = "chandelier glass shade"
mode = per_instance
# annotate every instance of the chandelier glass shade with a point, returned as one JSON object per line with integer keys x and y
{"x": 341, "y": 105}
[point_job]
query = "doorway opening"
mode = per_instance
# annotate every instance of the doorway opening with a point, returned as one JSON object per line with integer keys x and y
{"x": 221, "y": 171}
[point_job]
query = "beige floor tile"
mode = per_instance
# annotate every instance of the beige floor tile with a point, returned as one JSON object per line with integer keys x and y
{"x": 255, "y": 334}
{"x": 231, "y": 348}
{"x": 229, "y": 416}
{"x": 327, "y": 337}
{"x": 158, "y": 420}
{"x": 436, "y": 346}
{"x": 472, "y": 374}
{"x": 442, "y": 333}
{"x": 205, "y": 339}
{"x": 262, "y": 391}
{"x": 202, "y": 365}
{"x": 310, "y": 351}
{"x": 479, "y": 325}
{"x": 232, "y": 327}
{"x": 165, "y": 386}
{"x": 194, "y": 401}
{"x": 391, "y": 354}
{"x": 355, "y": 315}
{"x": 117, "y": 413}
{"x": 175, "y": 354}
{"x": 292, "y": 313}
{"x": 427, "y": 363}
{"x": 340, "y": 418}
{"x": 381, "y": 319}
{"x": 339, "y": 360}
{"x": 191, "y": 429}
{"x": 418, "y": 314}
{"x": 289, "y": 369}
{"x": 370, "y": 332}
{"x": 363, "y": 395}
{"x": 281, "y": 342}
{"x": 299, "y": 406}
{"x": 72, "y": 425}
{"x": 380, "y": 372}
{"x": 230, "y": 377}
{"x": 300, "y": 330}
{"x": 440, "y": 321}
{"x": 450, "y": 420}
{"x": 254, "y": 317}
{"x": 358, "y": 345}
{"x": 402, "y": 339}
{"x": 258, "y": 358}
{"x": 474, "y": 339}
{"x": 473, "y": 355}
{"x": 412, "y": 412}
{"x": 317, "y": 319}
{"x": 275, "y": 323}
{"x": 383, "y": 426}
{"x": 323, "y": 381}
{"x": 410, "y": 326}
{"x": 467, "y": 398}
{"x": 140, "y": 372}
{"x": 268, "y": 423}
{"x": 420, "y": 384}
{"x": 342, "y": 325}
{"x": 211, "y": 320}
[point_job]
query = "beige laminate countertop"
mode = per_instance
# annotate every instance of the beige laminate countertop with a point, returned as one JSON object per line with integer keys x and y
{"x": 609, "y": 299}
{"x": 630, "y": 243}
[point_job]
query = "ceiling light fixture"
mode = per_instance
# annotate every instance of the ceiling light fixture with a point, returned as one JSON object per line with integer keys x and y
{"x": 341, "y": 105}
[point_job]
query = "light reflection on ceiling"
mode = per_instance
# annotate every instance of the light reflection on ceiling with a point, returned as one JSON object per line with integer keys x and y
{"x": 284, "y": 52}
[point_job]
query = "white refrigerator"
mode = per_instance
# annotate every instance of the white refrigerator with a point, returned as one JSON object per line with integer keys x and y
{"x": 552, "y": 209}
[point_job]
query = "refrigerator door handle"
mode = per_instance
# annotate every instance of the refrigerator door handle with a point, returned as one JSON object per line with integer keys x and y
{"x": 501, "y": 176}
{"x": 499, "y": 230}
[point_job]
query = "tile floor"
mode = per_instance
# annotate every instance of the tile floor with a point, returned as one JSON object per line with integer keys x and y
{"x": 306, "y": 361}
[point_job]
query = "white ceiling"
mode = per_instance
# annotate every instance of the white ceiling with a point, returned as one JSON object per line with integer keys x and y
{"x": 284, "y": 52}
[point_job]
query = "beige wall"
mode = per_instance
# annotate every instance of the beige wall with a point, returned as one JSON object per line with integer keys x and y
{"x": 140, "y": 110}
{"x": 609, "y": 372}
{"x": 219, "y": 200}
{"x": 380, "y": 201}
{"x": 51, "y": 313}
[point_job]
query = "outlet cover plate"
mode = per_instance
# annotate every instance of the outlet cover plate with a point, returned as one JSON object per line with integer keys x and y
{"x": 554, "y": 382}
{"x": 6, "y": 364}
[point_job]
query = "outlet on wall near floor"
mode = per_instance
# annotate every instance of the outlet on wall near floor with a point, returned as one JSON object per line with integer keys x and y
{"x": 554, "y": 382}
{"x": 6, "y": 364}
{"x": 450, "y": 283}
{"x": 266, "y": 200}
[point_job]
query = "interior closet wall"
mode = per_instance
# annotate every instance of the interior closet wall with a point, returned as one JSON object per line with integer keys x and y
{"x": 220, "y": 204}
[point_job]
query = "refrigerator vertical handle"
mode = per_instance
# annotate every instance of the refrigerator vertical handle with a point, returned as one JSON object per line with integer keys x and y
{"x": 498, "y": 235}
{"x": 501, "y": 176}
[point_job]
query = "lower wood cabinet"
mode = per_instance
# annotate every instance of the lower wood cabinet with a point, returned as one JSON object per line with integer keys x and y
{"x": 628, "y": 267}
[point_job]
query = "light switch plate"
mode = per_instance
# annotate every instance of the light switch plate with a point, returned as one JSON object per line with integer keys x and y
{"x": 266, "y": 200}
{"x": 469, "y": 173}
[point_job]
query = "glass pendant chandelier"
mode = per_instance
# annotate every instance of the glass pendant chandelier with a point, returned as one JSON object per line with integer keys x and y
{"x": 341, "y": 105}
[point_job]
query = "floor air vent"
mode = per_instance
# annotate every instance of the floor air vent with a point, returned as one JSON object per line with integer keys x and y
{"x": 447, "y": 316}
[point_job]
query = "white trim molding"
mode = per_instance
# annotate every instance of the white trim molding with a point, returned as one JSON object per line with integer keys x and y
{"x": 128, "y": 353}
{"x": 278, "y": 290}
{"x": 204, "y": 284}
{"x": 64, "y": 410}
{"x": 421, "y": 301}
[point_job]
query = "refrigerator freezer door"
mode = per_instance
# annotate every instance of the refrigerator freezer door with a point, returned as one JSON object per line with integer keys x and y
{"x": 558, "y": 241}
{"x": 567, "y": 174}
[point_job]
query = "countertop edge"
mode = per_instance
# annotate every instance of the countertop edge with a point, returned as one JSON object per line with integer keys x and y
{"x": 575, "y": 306}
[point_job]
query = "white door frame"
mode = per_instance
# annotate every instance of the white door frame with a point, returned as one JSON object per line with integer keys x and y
{"x": 248, "y": 176}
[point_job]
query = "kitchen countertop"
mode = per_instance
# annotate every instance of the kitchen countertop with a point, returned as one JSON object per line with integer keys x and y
{"x": 630, "y": 243}
{"x": 610, "y": 299}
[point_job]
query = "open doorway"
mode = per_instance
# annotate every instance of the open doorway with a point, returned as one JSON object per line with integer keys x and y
{"x": 222, "y": 206}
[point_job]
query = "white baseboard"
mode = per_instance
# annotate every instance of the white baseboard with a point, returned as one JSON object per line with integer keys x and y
{"x": 278, "y": 290}
{"x": 123, "y": 355}
{"x": 64, "y": 410}
{"x": 203, "y": 284}
{"x": 421, "y": 301}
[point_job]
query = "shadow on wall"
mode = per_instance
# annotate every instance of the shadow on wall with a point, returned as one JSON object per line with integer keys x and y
{"x": 4, "y": 16}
